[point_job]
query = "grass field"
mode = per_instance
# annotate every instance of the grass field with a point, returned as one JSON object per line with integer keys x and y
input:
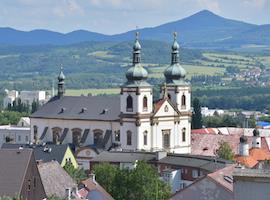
{"x": 93, "y": 91}
{"x": 157, "y": 72}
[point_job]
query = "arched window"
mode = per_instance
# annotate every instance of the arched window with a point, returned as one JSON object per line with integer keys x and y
{"x": 166, "y": 108}
{"x": 76, "y": 136}
{"x": 183, "y": 101}
{"x": 129, "y": 104}
{"x": 129, "y": 138}
{"x": 98, "y": 136}
{"x": 166, "y": 138}
{"x": 145, "y": 138}
{"x": 169, "y": 97}
{"x": 117, "y": 135}
{"x": 56, "y": 133}
{"x": 35, "y": 133}
{"x": 183, "y": 134}
{"x": 145, "y": 106}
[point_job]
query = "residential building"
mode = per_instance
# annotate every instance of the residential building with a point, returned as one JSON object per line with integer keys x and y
{"x": 16, "y": 134}
{"x": 91, "y": 190}
{"x": 56, "y": 180}
{"x": 130, "y": 121}
{"x": 19, "y": 175}
{"x": 48, "y": 152}
{"x": 215, "y": 186}
{"x": 26, "y": 97}
{"x": 250, "y": 184}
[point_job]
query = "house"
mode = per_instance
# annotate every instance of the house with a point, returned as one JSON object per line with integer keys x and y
{"x": 83, "y": 156}
{"x": 91, "y": 190}
{"x": 18, "y": 134}
{"x": 19, "y": 175}
{"x": 215, "y": 186}
{"x": 191, "y": 167}
{"x": 48, "y": 152}
{"x": 56, "y": 180}
{"x": 250, "y": 184}
{"x": 250, "y": 157}
{"x": 129, "y": 121}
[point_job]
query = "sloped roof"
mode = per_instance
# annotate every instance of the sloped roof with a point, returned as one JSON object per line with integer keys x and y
{"x": 81, "y": 107}
{"x": 94, "y": 186}
{"x": 211, "y": 186}
{"x": 248, "y": 161}
{"x": 57, "y": 151}
{"x": 55, "y": 179}
{"x": 13, "y": 166}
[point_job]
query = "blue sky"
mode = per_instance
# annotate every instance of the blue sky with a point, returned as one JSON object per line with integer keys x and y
{"x": 116, "y": 16}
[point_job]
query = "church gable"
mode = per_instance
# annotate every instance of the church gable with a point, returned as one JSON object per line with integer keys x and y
{"x": 164, "y": 108}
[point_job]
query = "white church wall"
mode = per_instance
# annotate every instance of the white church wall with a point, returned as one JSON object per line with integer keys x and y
{"x": 145, "y": 126}
{"x": 128, "y": 126}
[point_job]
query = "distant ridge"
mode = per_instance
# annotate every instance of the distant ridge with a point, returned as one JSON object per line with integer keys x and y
{"x": 203, "y": 29}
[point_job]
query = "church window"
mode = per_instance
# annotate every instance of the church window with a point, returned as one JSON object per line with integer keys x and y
{"x": 98, "y": 136}
{"x": 76, "y": 136}
{"x": 129, "y": 138}
{"x": 145, "y": 106}
{"x": 56, "y": 132}
{"x": 169, "y": 96}
{"x": 35, "y": 133}
{"x": 183, "y": 134}
{"x": 183, "y": 101}
{"x": 166, "y": 138}
{"x": 166, "y": 108}
{"x": 129, "y": 104}
{"x": 145, "y": 138}
{"x": 117, "y": 136}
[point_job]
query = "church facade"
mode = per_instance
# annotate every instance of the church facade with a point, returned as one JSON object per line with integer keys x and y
{"x": 131, "y": 121}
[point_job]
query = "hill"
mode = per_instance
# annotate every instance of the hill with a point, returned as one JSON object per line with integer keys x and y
{"x": 201, "y": 30}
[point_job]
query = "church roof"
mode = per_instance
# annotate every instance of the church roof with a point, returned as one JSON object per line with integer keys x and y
{"x": 81, "y": 107}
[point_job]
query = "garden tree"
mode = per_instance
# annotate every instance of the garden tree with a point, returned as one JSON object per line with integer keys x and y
{"x": 224, "y": 151}
{"x": 140, "y": 183}
{"x": 196, "y": 115}
{"x": 9, "y": 198}
{"x": 11, "y": 117}
{"x": 77, "y": 174}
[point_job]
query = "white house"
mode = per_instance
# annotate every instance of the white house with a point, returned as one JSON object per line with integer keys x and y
{"x": 18, "y": 134}
{"x": 130, "y": 121}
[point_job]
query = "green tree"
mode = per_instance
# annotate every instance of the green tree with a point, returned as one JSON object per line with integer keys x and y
{"x": 196, "y": 115}
{"x": 224, "y": 151}
{"x": 140, "y": 183}
{"x": 77, "y": 174}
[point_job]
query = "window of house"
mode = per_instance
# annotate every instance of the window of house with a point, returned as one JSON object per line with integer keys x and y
{"x": 145, "y": 138}
{"x": 145, "y": 106}
{"x": 98, "y": 136}
{"x": 35, "y": 133}
{"x": 183, "y": 134}
{"x": 117, "y": 135}
{"x": 76, "y": 136}
{"x": 183, "y": 101}
{"x": 129, "y": 104}
{"x": 166, "y": 138}
{"x": 195, "y": 173}
{"x": 19, "y": 138}
{"x": 26, "y": 138}
{"x": 129, "y": 138}
{"x": 169, "y": 96}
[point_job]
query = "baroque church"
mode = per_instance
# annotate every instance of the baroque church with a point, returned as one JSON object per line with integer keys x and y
{"x": 131, "y": 121}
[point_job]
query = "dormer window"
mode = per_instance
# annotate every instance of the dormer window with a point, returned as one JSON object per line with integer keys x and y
{"x": 129, "y": 104}
{"x": 145, "y": 104}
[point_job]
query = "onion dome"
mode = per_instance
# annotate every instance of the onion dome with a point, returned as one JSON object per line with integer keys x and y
{"x": 243, "y": 139}
{"x": 61, "y": 76}
{"x": 256, "y": 132}
{"x": 175, "y": 73}
{"x": 136, "y": 75}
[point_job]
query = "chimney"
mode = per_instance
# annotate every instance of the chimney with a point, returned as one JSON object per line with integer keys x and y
{"x": 93, "y": 178}
{"x": 243, "y": 146}
{"x": 68, "y": 193}
{"x": 160, "y": 155}
{"x": 256, "y": 140}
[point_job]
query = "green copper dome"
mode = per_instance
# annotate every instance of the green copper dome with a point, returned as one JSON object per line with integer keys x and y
{"x": 61, "y": 76}
{"x": 136, "y": 75}
{"x": 175, "y": 73}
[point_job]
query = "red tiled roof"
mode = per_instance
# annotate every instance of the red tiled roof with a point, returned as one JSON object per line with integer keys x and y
{"x": 248, "y": 161}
